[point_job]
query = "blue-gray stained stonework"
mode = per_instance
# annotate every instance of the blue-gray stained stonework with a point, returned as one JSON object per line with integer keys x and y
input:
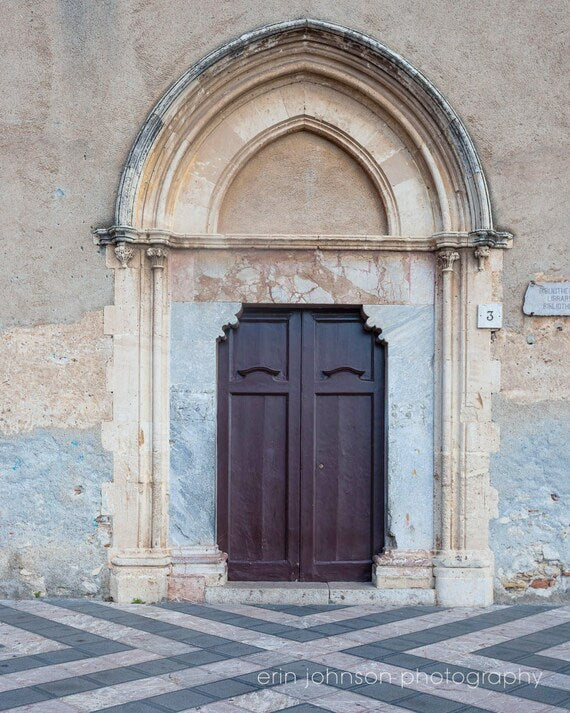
{"x": 409, "y": 334}
{"x": 530, "y": 537}
{"x": 53, "y": 535}
{"x": 195, "y": 329}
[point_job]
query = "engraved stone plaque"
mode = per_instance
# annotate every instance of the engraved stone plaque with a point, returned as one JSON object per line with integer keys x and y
{"x": 547, "y": 299}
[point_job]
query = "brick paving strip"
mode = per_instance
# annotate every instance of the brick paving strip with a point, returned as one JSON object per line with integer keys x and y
{"x": 178, "y": 657}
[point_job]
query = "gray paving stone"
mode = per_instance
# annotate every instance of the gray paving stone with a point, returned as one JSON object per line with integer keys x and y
{"x": 155, "y": 626}
{"x": 543, "y": 694}
{"x": 268, "y": 627}
{"x": 225, "y": 689}
{"x": 301, "y": 668}
{"x": 546, "y": 663}
{"x": 236, "y": 648}
{"x": 216, "y": 614}
{"x": 257, "y": 679}
{"x": 80, "y": 637}
{"x": 203, "y": 641}
{"x": 158, "y": 667}
{"x": 301, "y": 635}
{"x": 424, "y": 703}
{"x": 54, "y": 631}
{"x": 408, "y": 661}
{"x": 459, "y": 628}
{"x": 135, "y": 707}
{"x": 430, "y": 636}
{"x": 199, "y": 658}
{"x": 400, "y": 614}
{"x": 242, "y": 621}
{"x": 503, "y": 652}
{"x": 330, "y": 629}
{"x": 300, "y": 609}
{"x": 50, "y": 658}
{"x": 386, "y": 692}
{"x": 112, "y": 676}
{"x": 68, "y": 686}
{"x": 368, "y": 651}
{"x": 180, "y": 700}
{"x": 361, "y": 623}
{"x": 22, "y": 697}
{"x": 399, "y": 643}
{"x": 104, "y": 647}
{"x": 19, "y": 663}
{"x": 547, "y": 637}
{"x": 501, "y": 686}
{"x": 185, "y": 607}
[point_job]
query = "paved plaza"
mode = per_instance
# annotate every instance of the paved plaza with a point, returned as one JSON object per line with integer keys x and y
{"x": 62, "y": 656}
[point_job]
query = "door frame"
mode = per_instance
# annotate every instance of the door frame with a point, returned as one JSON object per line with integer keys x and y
{"x": 143, "y": 559}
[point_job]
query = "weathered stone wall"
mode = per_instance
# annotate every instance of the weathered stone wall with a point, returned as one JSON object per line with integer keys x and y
{"x": 79, "y": 79}
{"x": 531, "y": 472}
{"x": 53, "y": 530}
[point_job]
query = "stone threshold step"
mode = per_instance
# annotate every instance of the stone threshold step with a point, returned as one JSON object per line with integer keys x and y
{"x": 316, "y": 593}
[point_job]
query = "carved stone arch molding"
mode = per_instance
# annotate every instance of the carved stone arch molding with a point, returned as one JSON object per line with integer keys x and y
{"x": 422, "y": 256}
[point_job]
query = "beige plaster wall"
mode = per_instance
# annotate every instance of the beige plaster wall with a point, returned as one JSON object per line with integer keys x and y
{"x": 79, "y": 80}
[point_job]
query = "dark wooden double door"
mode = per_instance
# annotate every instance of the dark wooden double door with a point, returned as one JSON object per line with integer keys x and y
{"x": 300, "y": 446}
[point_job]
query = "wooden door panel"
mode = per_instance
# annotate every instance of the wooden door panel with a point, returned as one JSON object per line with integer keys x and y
{"x": 258, "y": 447}
{"x": 300, "y": 446}
{"x": 342, "y": 497}
{"x": 261, "y": 347}
{"x": 258, "y": 471}
{"x": 342, "y": 448}
{"x": 340, "y": 343}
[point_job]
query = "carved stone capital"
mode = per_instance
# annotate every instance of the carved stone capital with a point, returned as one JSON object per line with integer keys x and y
{"x": 124, "y": 253}
{"x": 157, "y": 257}
{"x": 482, "y": 253}
{"x": 446, "y": 258}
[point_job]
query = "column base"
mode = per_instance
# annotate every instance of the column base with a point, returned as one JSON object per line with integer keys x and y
{"x": 139, "y": 575}
{"x": 194, "y": 569}
{"x": 464, "y": 578}
{"x": 403, "y": 569}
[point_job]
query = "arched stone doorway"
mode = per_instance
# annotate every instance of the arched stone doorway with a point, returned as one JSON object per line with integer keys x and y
{"x": 302, "y": 164}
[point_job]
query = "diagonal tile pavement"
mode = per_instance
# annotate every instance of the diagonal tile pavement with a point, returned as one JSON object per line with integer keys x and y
{"x": 62, "y": 656}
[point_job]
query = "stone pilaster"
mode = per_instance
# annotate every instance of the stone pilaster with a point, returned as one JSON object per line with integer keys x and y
{"x": 463, "y": 565}
{"x": 138, "y": 435}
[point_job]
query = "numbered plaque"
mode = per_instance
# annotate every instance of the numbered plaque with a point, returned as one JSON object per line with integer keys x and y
{"x": 490, "y": 316}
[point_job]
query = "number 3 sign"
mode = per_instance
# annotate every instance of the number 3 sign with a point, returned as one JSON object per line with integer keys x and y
{"x": 490, "y": 316}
